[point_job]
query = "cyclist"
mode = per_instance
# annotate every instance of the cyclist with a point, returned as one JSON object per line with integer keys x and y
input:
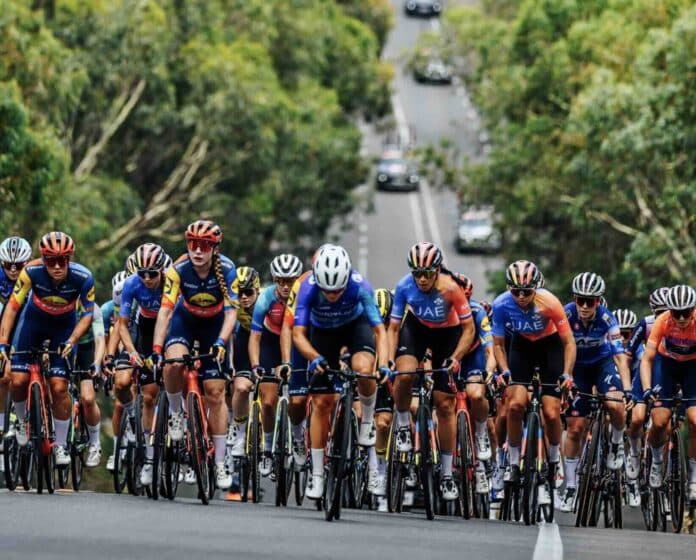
{"x": 15, "y": 252}
{"x": 338, "y": 304}
{"x": 439, "y": 319}
{"x": 600, "y": 363}
{"x": 540, "y": 337}
{"x": 247, "y": 286}
{"x": 670, "y": 358}
{"x": 55, "y": 284}
{"x": 628, "y": 322}
{"x": 198, "y": 304}
{"x": 264, "y": 343}
{"x": 144, "y": 291}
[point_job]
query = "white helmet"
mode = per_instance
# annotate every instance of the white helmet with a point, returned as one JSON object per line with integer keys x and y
{"x": 588, "y": 284}
{"x": 15, "y": 250}
{"x": 626, "y": 318}
{"x": 286, "y": 266}
{"x": 167, "y": 262}
{"x": 658, "y": 299}
{"x": 332, "y": 268}
{"x": 118, "y": 278}
{"x": 681, "y": 297}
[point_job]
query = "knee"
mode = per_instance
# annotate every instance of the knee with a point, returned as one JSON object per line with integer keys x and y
{"x": 575, "y": 431}
{"x": 445, "y": 410}
{"x": 59, "y": 391}
{"x": 552, "y": 414}
{"x": 382, "y": 422}
{"x": 215, "y": 397}
{"x": 148, "y": 400}
{"x": 516, "y": 409}
{"x": 88, "y": 401}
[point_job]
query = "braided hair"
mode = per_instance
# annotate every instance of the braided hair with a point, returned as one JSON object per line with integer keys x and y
{"x": 219, "y": 276}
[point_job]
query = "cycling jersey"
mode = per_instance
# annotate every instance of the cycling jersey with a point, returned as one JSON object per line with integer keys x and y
{"x": 201, "y": 297}
{"x": 483, "y": 326}
{"x": 268, "y": 311}
{"x": 6, "y": 286}
{"x": 243, "y": 314}
{"x": 108, "y": 311}
{"x": 136, "y": 292}
{"x": 356, "y": 300}
{"x": 289, "y": 317}
{"x": 640, "y": 335}
{"x": 445, "y": 305}
{"x": 598, "y": 340}
{"x": 97, "y": 329}
{"x": 672, "y": 341}
{"x": 543, "y": 318}
{"x": 49, "y": 297}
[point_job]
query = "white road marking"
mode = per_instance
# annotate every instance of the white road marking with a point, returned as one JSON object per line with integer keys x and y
{"x": 416, "y": 216}
{"x": 430, "y": 214}
{"x": 401, "y": 124}
{"x": 363, "y": 249}
{"x": 548, "y": 545}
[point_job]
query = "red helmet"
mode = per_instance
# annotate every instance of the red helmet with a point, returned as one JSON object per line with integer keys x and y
{"x": 522, "y": 274}
{"x": 204, "y": 230}
{"x": 466, "y": 283}
{"x": 57, "y": 244}
{"x": 149, "y": 256}
{"x": 424, "y": 255}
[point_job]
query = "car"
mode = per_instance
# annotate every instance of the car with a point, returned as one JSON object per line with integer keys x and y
{"x": 432, "y": 70}
{"x": 476, "y": 231}
{"x": 423, "y": 7}
{"x": 396, "y": 172}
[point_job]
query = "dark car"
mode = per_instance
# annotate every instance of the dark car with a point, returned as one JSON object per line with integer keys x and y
{"x": 477, "y": 232}
{"x": 423, "y": 7}
{"x": 396, "y": 172}
{"x": 432, "y": 70}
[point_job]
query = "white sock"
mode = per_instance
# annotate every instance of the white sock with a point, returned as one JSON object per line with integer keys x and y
{"x": 635, "y": 445}
{"x": 371, "y": 458}
{"x": 61, "y": 427}
{"x": 616, "y": 435}
{"x": 381, "y": 466}
{"x": 692, "y": 471}
{"x": 403, "y": 419}
{"x": 513, "y": 455}
{"x": 174, "y": 402}
{"x": 149, "y": 449}
{"x": 298, "y": 431}
{"x": 481, "y": 428}
{"x": 571, "y": 466}
{"x": 367, "y": 404}
{"x": 94, "y": 434}
{"x": 20, "y": 409}
{"x": 219, "y": 445}
{"x": 554, "y": 453}
{"x": 501, "y": 456}
{"x": 318, "y": 462}
{"x": 268, "y": 441}
{"x": 446, "y": 462}
{"x": 657, "y": 453}
{"x": 2, "y": 419}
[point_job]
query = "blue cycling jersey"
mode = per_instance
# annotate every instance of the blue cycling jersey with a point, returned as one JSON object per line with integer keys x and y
{"x": 107, "y": 310}
{"x": 544, "y": 317}
{"x": 640, "y": 335}
{"x": 483, "y": 325}
{"x": 136, "y": 292}
{"x": 599, "y": 339}
{"x": 356, "y": 300}
{"x": 6, "y": 286}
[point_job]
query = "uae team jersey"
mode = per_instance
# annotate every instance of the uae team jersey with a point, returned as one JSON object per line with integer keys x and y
{"x": 445, "y": 305}
{"x": 544, "y": 317}
{"x": 135, "y": 292}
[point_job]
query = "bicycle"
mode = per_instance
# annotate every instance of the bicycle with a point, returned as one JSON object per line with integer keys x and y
{"x": 535, "y": 471}
{"x": 600, "y": 489}
{"x": 283, "y": 463}
{"x": 11, "y": 450}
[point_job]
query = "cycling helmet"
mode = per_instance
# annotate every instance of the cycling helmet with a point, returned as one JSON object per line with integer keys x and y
{"x": 681, "y": 297}
{"x": 487, "y": 307}
{"x": 149, "y": 256}
{"x": 466, "y": 284}
{"x": 118, "y": 278}
{"x": 626, "y": 318}
{"x": 204, "y": 230}
{"x": 286, "y": 266}
{"x": 588, "y": 284}
{"x": 658, "y": 299}
{"x": 522, "y": 274}
{"x": 248, "y": 278}
{"x": 603, "y": 302}
{"x": 332, "y": 268}
{"x": 167, "y": 262}
{"x": 57, "y": 244}
{"x": 384, "y": 300}
{"x": 424, "y": 255}
{"x": 542, "y": 281}
{"x": 130, "y": 267}
{"x": 15, "y": 250}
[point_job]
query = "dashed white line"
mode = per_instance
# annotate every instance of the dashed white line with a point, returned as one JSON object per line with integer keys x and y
{"x": 401, "y": 124}
{"x": 416, "y": 216}
{"x": 430, "y": 215}
{"x": 548, "y": 545}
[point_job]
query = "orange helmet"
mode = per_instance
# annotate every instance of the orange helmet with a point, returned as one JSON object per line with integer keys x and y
{"x": 204, "y": 230}
{"x": 149, "y": 256}
{"x": 424, "y": 255}
{"x": 57, "y": 244}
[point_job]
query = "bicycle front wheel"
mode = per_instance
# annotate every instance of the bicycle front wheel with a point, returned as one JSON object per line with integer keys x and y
{"x": 121, "y": 474}
{"x": 426, "y": 461}
{"x": 159, "y": 446}
{"x": 530, "y": 471}
{"x": 464, "y": 462}
{"x": 77, "y": 450}
{"x": 337, "y": 450}
{"x": 586, "y": 473}
{"x": 198, "y": 446}
{"x": 254, "y": 450}
{"x": 10, "y": 448}
{"x": 395, "y": 473}
{"x": 676, "y": 486}
{"x": 282, "y": 455}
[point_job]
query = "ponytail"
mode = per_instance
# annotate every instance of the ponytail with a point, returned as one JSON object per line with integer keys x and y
{"x": 454, "y": 276}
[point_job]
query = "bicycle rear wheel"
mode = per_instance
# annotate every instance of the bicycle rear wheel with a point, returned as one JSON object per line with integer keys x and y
{"x": 426, "y": 462}
{"x": 613, "y": 502}
{"x": 121, "y": 474}
{"x": 254, "y": 450}
{"x": 395, "y": 473}
{"x": 337, "y": 450}
{"x": 676, "y": 486}
{"x": 198, "y": 446}
{"x": 159, "y": 445}
{"x": 530, "y": 472}
{"x": 464, "y": 464}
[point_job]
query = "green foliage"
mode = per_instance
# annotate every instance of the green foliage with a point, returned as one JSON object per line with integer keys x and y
{"x": 591, "y": 106}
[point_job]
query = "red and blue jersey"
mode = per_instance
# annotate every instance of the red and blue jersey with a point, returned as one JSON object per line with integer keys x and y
{"x": 544, "y": 317}
{"x": 268, "y": 311}
{"x": 136, "y": 292}
{"x": 598, "y": 340}
{"x": 312, "y": 307}
{"x": 445, "y": 305}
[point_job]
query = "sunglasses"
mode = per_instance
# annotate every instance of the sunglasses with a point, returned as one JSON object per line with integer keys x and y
{"x": 584, "y": 301}
{"x": 200, "y": 245}
{"x": 681, "y": 313}
{"x": 149, "y": 273}
{"x": 249, "y": 292}
{"x": 626, "y": 333}
{"x": 53, "y": 262}
{"x": 12, "y": 266}
{"x": 424, "y": 272}
{"x": 333, "y": 292}
{"x": 285, "y": 282}
{"x": 522, "y": 292}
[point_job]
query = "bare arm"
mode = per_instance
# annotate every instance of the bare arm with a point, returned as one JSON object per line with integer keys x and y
{"x": 164, "y": 317}
{"x": 569, "y": 352}
{"x": 286, "y": 343}
{"x": 392, "y": 338}
{"x": 621, "y": 361}
{"x": 465, "y": 340}
{"x": 83, "y": 325}
{"x": 490, "y": 359}
{"x": 382, "y": 341}
{"x": 646, "y": 366}
{"x": 500, "y": 353}
{"x": 254, "y": 348}
{"x": 228, "y": 324}
{"x": 8, "y": 321}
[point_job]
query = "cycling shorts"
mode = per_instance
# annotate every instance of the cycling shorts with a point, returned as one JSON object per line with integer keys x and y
{"x": 667, "y": 373}
{"x": 602, "y": 375}
{"x": 269, "y": 356}
{"x": 545, "y": 353}
{"x": 240, "y": 358}
{"x": 473, "y": 363}
{"x": 637, "y": 389}
{"x": 385, "y": 402}
{"x": 185, "y": 328}
{"x": 84, "y": 360}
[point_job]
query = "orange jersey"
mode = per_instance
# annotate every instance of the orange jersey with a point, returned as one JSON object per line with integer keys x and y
{"x": 672, "y": 341}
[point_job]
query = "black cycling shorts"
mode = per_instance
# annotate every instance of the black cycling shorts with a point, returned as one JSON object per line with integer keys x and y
{"x": 84, "y": 359}
{"x": 240, "y": 358}
{"x": 545, "y": 353}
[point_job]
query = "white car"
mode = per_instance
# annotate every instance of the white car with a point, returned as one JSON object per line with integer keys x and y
{"x": 477, "y": 232}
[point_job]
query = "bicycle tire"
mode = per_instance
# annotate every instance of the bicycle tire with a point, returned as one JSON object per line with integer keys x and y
{"x": 354, "y": 468}
{"x": 464, "y": 463}
{"x": 198, "y": 447}
{"x": 254, "y": 450}
{"x": 482, "y": 504}
{"x": 529, "y": 471}
{"x": 597, "y": 478}
{"x": 135, "y": 488}
{"x": 10, "y": 449}
{"x": 547, "y": 512}
{"x": 337, "y": 450}
{"x": 613, "y": 503}
{"x": 648, "y": 496}
{"x": 283, "y": 467}
{"x": 427, "y": 461}
{"x": 121, "y": 473}
{"x": 159, "y": 444}
{"x": 39, "y": 433}
{"x": 585, "y": 475}
{"x": 27, "y": 469}
{"x": 77, "y": 454}
{"x": 676, "y": 487}
{"x": 395, "y": 473}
